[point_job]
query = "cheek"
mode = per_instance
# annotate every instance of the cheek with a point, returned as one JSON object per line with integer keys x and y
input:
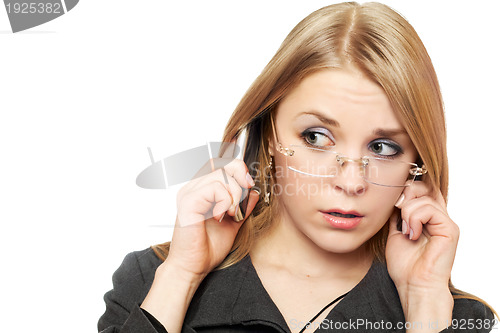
{"x": 383, "y": 205}
{"x": 284, "y": 178}
{"x": 390, "y": 196}
{"x": 294, "y": 187}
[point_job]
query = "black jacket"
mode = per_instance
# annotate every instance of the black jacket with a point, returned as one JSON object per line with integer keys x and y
{"x": 234, "y": 300}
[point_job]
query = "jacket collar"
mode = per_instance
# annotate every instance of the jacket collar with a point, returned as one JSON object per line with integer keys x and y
{"x": 235, "y": 295}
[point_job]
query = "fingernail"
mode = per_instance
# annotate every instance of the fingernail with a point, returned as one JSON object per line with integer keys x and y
{"x": 220, "y": 220}
{"x": 404, "y": 227}
{"x": 411, "y": 234}
{"x": 256, "y": 189}
{"x": 250, "y": 180}
{"x": 238, "y": 214}
{"x": 400, "y": 200}
{"x": 232, "y": 209}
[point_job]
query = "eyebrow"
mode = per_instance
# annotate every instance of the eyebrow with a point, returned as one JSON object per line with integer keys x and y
{"x": 321, "y": 117}
{"x": 335, "y": 123}
{"x": 388, "y": 132}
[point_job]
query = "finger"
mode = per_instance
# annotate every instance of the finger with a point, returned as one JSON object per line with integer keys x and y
{"x": 234, "y": 168}
{"x": 233, "y": 175}
{"x": 437, "y": 223}
{"x": 239, "y": 171}
{"x": 416, "y": 207}
{"x": 235, "y": 191}
{"x": 220, "y": 208}
{"x": 213, "y": 200}
{"x": 253, "y": 198}
{"x": 207, "y": 173}
{"x": 417, "y": 219}
{"x": 415, "y": 190}
{"x": 419, "y": 189}
{"x": 413, "y": 205}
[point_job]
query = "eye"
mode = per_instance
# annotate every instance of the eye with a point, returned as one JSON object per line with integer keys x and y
{"x": 386, "y": 149}
{"x": 317, "y": 139}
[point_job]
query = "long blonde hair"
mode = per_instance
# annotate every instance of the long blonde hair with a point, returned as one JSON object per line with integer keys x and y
{"x": 380, "y": 43}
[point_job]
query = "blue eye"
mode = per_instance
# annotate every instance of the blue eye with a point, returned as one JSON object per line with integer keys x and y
{"x": 385, "y": 149}
{"x": 317, "y": 139}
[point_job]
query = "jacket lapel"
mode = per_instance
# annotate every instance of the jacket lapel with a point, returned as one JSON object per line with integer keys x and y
{"x": 373, "y": 301}
{"x": 231, "y": 296}
{"x": 254, "y": 305}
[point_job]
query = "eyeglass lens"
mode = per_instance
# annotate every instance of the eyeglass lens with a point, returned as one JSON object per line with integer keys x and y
{"x": 320, "y": 163}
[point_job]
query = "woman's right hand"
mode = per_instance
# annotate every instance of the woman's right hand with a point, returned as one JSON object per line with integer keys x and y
{"x": 200, "y": 242}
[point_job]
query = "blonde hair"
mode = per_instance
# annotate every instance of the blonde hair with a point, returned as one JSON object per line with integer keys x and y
{"x": 382, "y": 45}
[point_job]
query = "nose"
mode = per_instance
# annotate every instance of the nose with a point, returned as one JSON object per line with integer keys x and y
{"x": 350, "y": 177}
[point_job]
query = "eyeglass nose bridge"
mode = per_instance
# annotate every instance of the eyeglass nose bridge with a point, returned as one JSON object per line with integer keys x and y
{"x": 363, "y": 160}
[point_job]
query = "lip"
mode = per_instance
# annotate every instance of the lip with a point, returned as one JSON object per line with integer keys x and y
{"x": 335, "y": 210}
{"x": 345, "y": 223}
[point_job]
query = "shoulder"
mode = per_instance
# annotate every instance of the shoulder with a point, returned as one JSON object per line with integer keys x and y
{"x": 467, "y": 309}
{"x": 136, "y": 273}
{"x": 131, "y": 283}
{"x": 141, "y": 262}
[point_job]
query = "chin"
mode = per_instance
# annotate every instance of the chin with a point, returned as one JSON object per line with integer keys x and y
{"x": 340, "y": 244}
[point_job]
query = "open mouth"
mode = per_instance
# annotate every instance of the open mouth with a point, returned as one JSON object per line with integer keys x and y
{"x": 343, "y": 215}
{"x": 346, "y": 220}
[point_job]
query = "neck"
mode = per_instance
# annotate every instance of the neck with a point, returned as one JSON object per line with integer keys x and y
{"x": 286, "y": 248}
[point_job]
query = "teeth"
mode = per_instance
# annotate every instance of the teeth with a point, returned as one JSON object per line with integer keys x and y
{"x": 342, "y": 215}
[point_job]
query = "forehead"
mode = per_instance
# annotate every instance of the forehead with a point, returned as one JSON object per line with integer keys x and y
{"x": 345, "y": 95}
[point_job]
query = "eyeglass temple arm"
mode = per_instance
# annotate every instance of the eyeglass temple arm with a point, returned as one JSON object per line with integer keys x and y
{"x": 417, "y": 171}
{"x": 281, "y": 149}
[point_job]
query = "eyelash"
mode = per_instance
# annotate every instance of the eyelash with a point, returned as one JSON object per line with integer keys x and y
{"x": 398, "y": 150}
{"x": 308, "y": 132}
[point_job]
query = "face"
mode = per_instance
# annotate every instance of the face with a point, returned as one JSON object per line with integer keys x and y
{"x": 350, "y": 114}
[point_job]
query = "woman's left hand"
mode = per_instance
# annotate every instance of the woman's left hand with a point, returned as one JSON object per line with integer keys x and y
{"x": 420, "y": 257}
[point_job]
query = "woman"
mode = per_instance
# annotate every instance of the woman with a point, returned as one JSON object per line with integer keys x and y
{"x": 347, "y": 229}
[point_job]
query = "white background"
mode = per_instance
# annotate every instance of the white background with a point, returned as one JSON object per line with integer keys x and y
{"x": 83, "y": 96}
